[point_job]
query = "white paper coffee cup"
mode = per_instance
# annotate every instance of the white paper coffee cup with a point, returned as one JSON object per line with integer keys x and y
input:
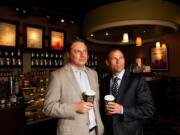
{"x": 89, "y": 96}
{"x": 109, "y": 98}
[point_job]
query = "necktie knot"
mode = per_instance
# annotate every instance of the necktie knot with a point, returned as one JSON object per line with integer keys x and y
{"x": 116, "y": 79}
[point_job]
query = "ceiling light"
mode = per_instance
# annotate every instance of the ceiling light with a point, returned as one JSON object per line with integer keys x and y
{"x": 138, "y": 41}
{"x": 17, "y": 9}
{"x": 164, "y": 46}
{"x": 62, "y": 20}
{"x": 91, "y": 35}
{"x": 107, "y": 34}
{"x": 125, "y": 38}
{"x": 158, "y": 45}
{"x": 24, "y": 11}
{"x": 160, "y": 20}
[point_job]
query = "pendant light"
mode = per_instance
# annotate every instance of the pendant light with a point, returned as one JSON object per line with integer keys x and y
{"x": 158, "y": 45}
{"x": 138, "y": 41}
{"x": 125, "y": 38}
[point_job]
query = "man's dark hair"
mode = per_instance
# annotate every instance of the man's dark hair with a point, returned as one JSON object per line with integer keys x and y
{"x": 76, "y": 39}
{"x": 111, "y": 50}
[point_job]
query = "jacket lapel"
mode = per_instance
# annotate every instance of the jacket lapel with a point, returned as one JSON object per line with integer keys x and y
{"x": 123, "y": 86}
{"x": 91, "y": 79}
{"x": 72, "y": 80}
{"x": 107, "y": 88}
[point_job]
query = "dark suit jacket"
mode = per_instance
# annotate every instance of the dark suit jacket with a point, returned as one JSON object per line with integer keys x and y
{"x": 135, "y": 96}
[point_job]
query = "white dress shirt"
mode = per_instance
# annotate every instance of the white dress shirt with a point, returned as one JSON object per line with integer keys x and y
{"x": 82, "y": 79}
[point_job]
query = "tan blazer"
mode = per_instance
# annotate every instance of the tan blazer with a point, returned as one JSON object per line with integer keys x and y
{"x": 63, "y": 92}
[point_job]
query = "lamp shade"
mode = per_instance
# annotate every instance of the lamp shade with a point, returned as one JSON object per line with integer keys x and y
{"x": 138, "y": 41}
{"x": 158, "y": 45}
{"x": 125, "y": 38}
{"x": 164, "y": 46}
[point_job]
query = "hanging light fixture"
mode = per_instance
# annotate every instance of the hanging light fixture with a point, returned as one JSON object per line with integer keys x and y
{"x": 138, "y": 41}
{"x": 158, "y": 45}
{"x": 164, "y": 46}
{"x": 125, "y": 38}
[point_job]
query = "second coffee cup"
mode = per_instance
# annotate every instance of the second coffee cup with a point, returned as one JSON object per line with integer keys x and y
{"x": 109, "y": 98}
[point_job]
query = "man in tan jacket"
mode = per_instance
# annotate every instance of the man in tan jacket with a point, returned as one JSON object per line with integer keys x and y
{"x": 64, "y": 99}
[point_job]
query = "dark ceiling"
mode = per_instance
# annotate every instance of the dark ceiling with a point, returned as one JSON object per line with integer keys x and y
{"x": 71, "y": 8}
{"x": 77, "y": 9}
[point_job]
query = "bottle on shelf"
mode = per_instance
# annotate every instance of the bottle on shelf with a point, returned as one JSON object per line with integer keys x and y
{"x": 12, "y": 94}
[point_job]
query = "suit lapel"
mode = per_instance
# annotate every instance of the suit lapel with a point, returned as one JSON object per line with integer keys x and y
{"x": 91, "y": 79}
{"x": 72, "y": 80}
{"x": 123, "y": 86}
{"x": 107, "y": 88}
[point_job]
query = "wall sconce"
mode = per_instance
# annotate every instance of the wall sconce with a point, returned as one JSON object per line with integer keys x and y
{"x": 125, "y": 38}
{"x": 138, "y": 41}
{"x": 158, "y": 45}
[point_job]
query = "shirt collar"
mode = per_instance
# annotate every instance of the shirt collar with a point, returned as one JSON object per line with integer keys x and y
{"x": 120, "y": 75}
{"x": 77, "y": 70}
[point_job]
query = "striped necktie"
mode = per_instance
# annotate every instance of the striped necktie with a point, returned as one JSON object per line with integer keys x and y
{"x": 115, "y": 86}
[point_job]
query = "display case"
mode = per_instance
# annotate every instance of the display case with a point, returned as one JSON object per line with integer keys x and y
{"x": 34, "y": 92}
{"x": 33, "y": 99}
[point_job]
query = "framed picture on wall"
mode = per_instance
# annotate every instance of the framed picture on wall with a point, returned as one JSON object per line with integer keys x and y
{"x": 159, "y": 59}
{"x": 57, "y": 39}
{"x": 34, "y": 37}
{"x": 8, "y": 33}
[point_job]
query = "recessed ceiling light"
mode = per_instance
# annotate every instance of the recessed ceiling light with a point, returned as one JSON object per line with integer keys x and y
{"x": 17, "y": 9}
{"x": 24, "y": 11}
{"x": 62, "y": 20}
{"x": 91, "y": 35}
{"x": 107, "y": 34}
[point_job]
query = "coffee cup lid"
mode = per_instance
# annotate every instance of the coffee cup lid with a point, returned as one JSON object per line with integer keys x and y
{"x": 90, "y": 92}
{"x": 109, "y": 97}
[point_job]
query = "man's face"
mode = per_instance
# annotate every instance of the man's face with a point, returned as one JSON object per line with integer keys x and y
{"x": 116, "y": 61}
{"x": 78, "y": 54}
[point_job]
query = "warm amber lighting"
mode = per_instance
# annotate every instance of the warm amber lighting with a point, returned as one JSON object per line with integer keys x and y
{"x": 91, "y": 35}
{"x": 158, "y": 45}
{"x": 57, "y": 40}
{"x": 138, "y": 41}
{"x": 62, "y": 20}
{"x": 7, "y": 34}
{"x": 125, "y": 38}
{"x": 107, "y": 34}
{"x": 164, "y": 46}
{"x": 34, "y": 37}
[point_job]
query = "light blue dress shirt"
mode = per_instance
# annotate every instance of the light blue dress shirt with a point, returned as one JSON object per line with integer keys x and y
{"x": 83, "y": 81}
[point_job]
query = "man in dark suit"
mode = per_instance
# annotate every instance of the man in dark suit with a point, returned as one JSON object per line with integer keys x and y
{"x": 133, "y": 101}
